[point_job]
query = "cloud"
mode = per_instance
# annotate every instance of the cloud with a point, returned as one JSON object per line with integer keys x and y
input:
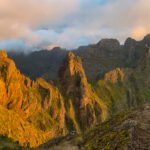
{"x": 36, "y": 24}
{"x": 16, "y": 45}
{"x": 19, "y": 18}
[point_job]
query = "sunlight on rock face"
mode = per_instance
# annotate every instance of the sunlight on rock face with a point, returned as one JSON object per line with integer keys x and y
{"x": 114, "y": 75}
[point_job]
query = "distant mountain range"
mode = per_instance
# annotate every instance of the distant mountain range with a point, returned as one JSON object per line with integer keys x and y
{"x": 61, "y": 97}
{"x": 97, "y": 58}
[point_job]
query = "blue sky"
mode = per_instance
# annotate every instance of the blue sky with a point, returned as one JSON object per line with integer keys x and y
{"x": 38, "y": 24}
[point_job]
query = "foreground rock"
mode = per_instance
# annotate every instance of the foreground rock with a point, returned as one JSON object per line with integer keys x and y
{"x": 125, "y": 131}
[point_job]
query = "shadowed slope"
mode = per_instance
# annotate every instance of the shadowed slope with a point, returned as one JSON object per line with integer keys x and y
{"x": 81, "y": 101}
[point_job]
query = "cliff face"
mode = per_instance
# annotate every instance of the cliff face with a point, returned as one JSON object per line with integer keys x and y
{"x": 37, "y": 102}
{"x": 13, "y": 126}
{"x": 97, "y": 59}
{"x": 87, "y": 108}
{"x": 125, "y": 88}
{"x": 114, "y": 76}
{"x": 43, "y": 109}
{"x": 25, "y": 96}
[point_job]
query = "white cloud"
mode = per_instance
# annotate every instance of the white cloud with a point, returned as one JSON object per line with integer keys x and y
{"x": 70, "y": 23}
{"x": 19, "y": 17}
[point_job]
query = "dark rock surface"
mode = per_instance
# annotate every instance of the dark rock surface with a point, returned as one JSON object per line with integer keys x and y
{"x": 97, "y": 59}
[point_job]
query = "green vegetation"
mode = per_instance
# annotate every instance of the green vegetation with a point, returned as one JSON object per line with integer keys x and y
{"x": 32, "y": 112}
{"x": 107, "y": 136}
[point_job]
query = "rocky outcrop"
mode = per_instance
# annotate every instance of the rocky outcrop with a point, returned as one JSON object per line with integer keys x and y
{"x": 98, "y": 58}
{"x": 114, "y": 75}
{"x": 146, "y": 40}
{"x": 45, "y": 109}
{"x": 109, "y": 44}
{"x": 84, "y": 107}
{"x": 37, "y": 102}
{"x": 130, "y": 48}
{"x": 127, "y": 131}
{"x": 124, "y": 131}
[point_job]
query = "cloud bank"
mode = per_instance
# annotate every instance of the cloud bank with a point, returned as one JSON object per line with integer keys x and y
{"x": 37, "y": 24}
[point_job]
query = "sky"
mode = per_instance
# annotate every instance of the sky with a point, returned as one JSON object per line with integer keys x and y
{"x": 27, "y": 25}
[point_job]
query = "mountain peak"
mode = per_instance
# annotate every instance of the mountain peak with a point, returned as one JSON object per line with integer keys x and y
{"x": 147, "y": 39}
{"x": 71, "y": 69}
{"x": 3, "y": 54}
{"x": 129, "y": 42}
{"x": 109, "y": 44}
{"x": 147, "y": 36}
{"x": 80, "y": 97}
{"x": 72, "y": 65}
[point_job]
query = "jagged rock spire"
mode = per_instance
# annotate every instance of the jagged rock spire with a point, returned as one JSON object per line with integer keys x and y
{"x": 86, "y": 106}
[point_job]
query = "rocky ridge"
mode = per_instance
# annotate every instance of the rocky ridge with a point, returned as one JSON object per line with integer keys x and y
{"x": 80, "y": 97}
{"x": 47, "y": 110}
{"x": 97, "y": 59}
